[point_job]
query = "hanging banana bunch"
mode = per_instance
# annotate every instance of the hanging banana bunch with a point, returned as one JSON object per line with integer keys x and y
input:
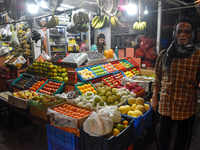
{"x": 80, "y": 18}
{"x": 115, "y": 21}
{"x": 139, "y": 25}
{"x": 53, "y": 22}
{"x": 100, "y": 22}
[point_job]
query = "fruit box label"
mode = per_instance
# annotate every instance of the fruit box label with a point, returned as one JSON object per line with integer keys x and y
{"x": 19, "y": 62}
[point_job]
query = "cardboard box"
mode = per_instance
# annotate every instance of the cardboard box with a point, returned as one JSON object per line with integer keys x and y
{"x": 19, "y": 62}
{"x": 56, "y": 118}
{"x": 39, "y": 113}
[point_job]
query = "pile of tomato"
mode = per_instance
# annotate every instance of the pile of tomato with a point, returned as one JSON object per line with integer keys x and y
{"x": 72, "y": 111}
{"x": 86, "y": 87}
{"x": 111, "y": 81}
{"x": 50, "y": 88}
{"x": 119, "y": 76}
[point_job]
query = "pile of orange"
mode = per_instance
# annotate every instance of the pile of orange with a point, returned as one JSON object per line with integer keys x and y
{"x": 86, "y": 87}
{"x": 72, "y": 111}
{"x": 37, "y": 85}
{"x": 119, "y": 66}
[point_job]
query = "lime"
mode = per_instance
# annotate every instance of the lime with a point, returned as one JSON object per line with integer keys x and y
{"x": 120, "y": 127}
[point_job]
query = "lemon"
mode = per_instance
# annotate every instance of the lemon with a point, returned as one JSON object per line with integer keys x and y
{"x": 115, "y": 132}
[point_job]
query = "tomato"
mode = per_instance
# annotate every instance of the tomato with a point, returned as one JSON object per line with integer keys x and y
{"x": 40, "y": 90}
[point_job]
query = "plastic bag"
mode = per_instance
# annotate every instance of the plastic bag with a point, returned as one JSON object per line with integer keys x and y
{"x": 114, "y": 113}
{"x": 98, "y": 124}
{"x": 14, "y": 41}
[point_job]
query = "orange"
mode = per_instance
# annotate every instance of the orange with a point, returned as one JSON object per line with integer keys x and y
{"x": 94, "y": 91}
{"x": 82, "y": 91}
{"x": 125, "y": 122}
{"x": 92, "y": 88}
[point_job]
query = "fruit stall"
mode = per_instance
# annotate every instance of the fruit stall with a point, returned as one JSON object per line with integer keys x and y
{"x": 108, "y": 101}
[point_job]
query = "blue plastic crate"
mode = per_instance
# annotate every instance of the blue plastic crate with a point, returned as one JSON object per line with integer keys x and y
{"x": 61, "y": 140}
{"x": 59, "y": 89}
{"x": 141, "y": 123}
{"x": 119, "y": 142}
{"x": 101, "y": 68}
{"x": 81, "y": 78}
{"x": 22, "y": 75}
{"x": 126, "y": 62}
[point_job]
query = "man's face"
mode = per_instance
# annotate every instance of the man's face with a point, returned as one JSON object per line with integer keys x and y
{"x": 183, "y": 33}
{"x": 101, "y": 41}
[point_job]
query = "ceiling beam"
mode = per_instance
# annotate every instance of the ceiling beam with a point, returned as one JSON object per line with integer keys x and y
{"x": 181, "y": 2}
{"x": 171, "y": 2}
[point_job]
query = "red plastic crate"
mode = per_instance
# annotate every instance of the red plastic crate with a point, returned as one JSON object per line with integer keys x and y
{"x": 119, "y": 83}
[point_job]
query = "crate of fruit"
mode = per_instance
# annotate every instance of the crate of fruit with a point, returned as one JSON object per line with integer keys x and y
{"x": 59, "y": 139}
{"x": 84, "y": 87}
{"x": 128, "y": 73}
{"x": 119, "y": 75}
{"x": 132, "y": 61}
{"x": 85, "y": 74}
{"x": 98, "y": 70}
{"x": 119, "y": 140}
{"x": 136, "y": 71}
{"x": 141, "y": 113}
{"x": 109, "y": 68}
{"x": 20, "y": 99}
{"x": 111, "y": 81}
{"x": 22, "y": 80}
{"x": 35, "y": 83}
{"x": 68, "y": 115}
{"x": 51, "y": 87}
{"x": 39, "y": 104}
{"x": 118, "y": 66}
{"x": 126, "y": 64}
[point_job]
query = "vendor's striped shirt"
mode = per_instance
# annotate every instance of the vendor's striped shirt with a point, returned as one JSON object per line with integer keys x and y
{"x": 178, "y": 97}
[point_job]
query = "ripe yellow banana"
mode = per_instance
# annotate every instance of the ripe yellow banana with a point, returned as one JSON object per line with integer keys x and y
{"x": 95, "y": 21}
{"x": 112, "y": 21}
{"x": 139, "y": 25}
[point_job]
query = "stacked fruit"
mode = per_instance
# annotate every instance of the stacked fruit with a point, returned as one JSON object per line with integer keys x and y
{"x": 24, "y": 48}
{"x": 136, "y": 72}
{"x": 7, "y": 73}
{"x": 49, "y": 100}
{"x": 126, "y": 64}
{"x": 34, "y": 84}
{"x": 47, "y": 70}
{"x": 135, "y": 108}
{"x": 25, "y": 94}
{"x": 72, "y": 111}
{"x": 109, "y": 68}
{"x": 100, "y": 22}
{"x": 86, "y": 87}
{"x": 112, "y": 81}
{"x": 23, "y": 80}
{"x": 133, "y": 87}
{"x": 119, "y": 127}
{"x": 128, "y": 74}
{"x": 98, "y": 70}
{"x": 119, "y": 76}
{"x": 119, "y": 66}
{"x": 86, "y": 74}
{"x": 50, "y": 88}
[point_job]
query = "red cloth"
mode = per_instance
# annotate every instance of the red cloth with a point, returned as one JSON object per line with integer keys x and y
{"x": 83, "y": 47}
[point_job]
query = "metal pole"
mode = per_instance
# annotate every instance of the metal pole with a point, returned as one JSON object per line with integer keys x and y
{"x": 159, "y": 26}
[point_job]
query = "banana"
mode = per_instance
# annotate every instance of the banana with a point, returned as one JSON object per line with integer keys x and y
{"x": 139, "y": 25}
{"x": 96, "y": 19}
{"x": 86, "y": 18}
{"x": 117, "y": 21}
{"x": 104, "y": 22}
{"x": 135, "y": 25}
{"x": 74, "y": 19}
{"x": 99, "y": 23}
{"x": 52, "y": 23}
{"x": 57, "y": 20}
{"x": 112, "y": 21}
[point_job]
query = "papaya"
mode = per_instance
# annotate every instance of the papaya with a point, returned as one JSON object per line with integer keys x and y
{"x": 110, "y": 53}
{"x": 106, "y": 54}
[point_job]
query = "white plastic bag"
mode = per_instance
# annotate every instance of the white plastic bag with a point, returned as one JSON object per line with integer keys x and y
{"x": 98, "y": 124}
{"x": 14, "y": 41}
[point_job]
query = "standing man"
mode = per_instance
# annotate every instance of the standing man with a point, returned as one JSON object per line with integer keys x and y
{"x": 100, "y": 46}
{"x": 82, "y": 45}
{"x": 177, "y": 76}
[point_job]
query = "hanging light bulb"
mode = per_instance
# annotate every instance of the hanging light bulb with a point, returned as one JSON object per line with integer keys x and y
{"x": 32, "y": 7}
{"x": 146, "y": 11}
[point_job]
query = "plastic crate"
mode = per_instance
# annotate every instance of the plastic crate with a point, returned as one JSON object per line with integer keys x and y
{"x": 59, "y": 89}
{"x": 111, "y": 65}
{"x": 45, "y": 79}
{"x": 116, "y": 62}
{"x": 117, "y": 73}
{"x": 61, "y": 140}
{"x": 76, "y": 86}
{"x": 126, "y": 62}
{"x": 122, "y": 141}
{"x": 80, "y": 77}
{"x": 141, "y": 123}
{"x": 119, "y": 83}
{"x": 22, "y": 75}
{"x": 101, "y": 68}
